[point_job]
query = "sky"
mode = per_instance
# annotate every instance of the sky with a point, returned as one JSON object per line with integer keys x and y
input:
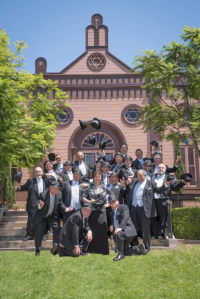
{"x": 55, "y": 30}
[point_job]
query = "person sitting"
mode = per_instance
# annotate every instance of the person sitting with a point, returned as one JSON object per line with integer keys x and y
{"x": 46, "y": 212}
{"x": 124, "y": 230}
{"x": 158, "y": 160}
{"x": 76, "y": 234}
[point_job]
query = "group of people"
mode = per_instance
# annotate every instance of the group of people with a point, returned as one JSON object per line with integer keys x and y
{"x": 119, "y": 199}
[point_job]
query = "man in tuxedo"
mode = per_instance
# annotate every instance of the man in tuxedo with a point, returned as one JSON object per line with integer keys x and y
{"x": 123, "y": 230}
{"x": 158, "y": 160}
{"x": 139, "y": 161}
{"x": 46, "y": 212}
{"x": 76, "y": 234}
{"x": 71, "y": 196}
{"x": 123, "y": 150}
{"x": 85, "y": 167}
{"x": 105, "y": 170}
{"x": 140, "y": 200}
{"x": 67, "y": 173}
{"x": 58, "y": 166}
{"x": 158, "y": 224}
{"x": 116, "y": 167}
{"x": 34, "y": 187}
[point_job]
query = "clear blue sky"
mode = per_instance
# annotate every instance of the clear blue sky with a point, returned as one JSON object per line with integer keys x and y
{"x": 55, "y": 30}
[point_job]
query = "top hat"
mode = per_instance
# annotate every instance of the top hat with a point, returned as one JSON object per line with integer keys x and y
{"x": 113, "y": 173}
{"x": 106, "y": 164}
{"x": 18, "y": 176}
{"x": 83, "y": 124}
{"x": 111, "y": 197}
{"x": 68, "y": 163}
{"x": 187, "y": 177}
{"x": 128, "y": 157}
{"x": 52, "y": 182}
{"x": 95, "y": 123}
{"x": 102, "y": 145}
{"x": 154, "y": 143}
{"x": 52, "y": 157}
{"x": 147, "y": 162}
{"x": 87, "y": 205}
{"x": 92, "y": 139}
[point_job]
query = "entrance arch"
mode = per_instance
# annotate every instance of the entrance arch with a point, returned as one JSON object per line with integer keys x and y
{"x": 76, "y": 142}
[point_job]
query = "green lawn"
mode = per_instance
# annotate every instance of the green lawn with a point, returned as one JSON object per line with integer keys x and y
{"x": 161, "y": 274}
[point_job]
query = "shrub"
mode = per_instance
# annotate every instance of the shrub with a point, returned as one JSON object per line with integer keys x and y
{"x": 186, "y": 223}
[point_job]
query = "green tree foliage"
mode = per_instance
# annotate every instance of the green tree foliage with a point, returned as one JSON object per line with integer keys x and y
{"x": 180, "y": 169}
{"x": 173, "y": 80}
{"x": 28, "y": 116}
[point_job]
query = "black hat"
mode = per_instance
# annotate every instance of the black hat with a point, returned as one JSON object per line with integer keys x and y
{"x": 51, "y": 181}
{"x": 52, "y": 157}
{"x": 100, "y": 160}
{"x": 128, "y": 157}
{"x": 92, "y": 139}
{"x": 106, "y": 164}
{"x": 83, "y": 124}
{"x": 87, "y": 205}
{"x": 68, "y": 162}
{"x": 112, "y": 197}
{"x": 77, "y": 170}
{"x": 187, "y": 177}
{"x": 95, "y": 123}
{"x": 154, "y": 143}
{"x": 102, "y": 145}
{"x": 147, "y": 162}
{"x": 18, "y": 176}
{"x": 113, "y": 173}
{"x": 119, "y": 154}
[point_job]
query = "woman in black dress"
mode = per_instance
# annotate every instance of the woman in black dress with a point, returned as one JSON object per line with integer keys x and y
{"x": 95, "y": 194}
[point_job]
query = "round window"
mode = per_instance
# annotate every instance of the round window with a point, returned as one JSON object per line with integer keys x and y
{"x": 66, "y": 118}
{"x": 96, "y": 61}
{"x": 132, "y": 115}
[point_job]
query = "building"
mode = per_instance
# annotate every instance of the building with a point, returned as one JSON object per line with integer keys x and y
{"x": 100, "y": 85}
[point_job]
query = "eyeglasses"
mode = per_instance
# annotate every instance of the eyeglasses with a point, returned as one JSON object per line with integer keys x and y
{"x": 58, "y": 158}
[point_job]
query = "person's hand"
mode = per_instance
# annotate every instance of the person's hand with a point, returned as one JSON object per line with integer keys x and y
{"x": 111, "y": 228}
{"x": 122, "y": 182}
{"x": 177, "y": 159}
{"x": 168, "y": 182}
{"x": 107, "y": 205}
{"x": 92, "y": 200}
{"x": 83, "y": 185}
{"x": 47, "y": 175}
{"x": 129, "y": 180}
{"x": 103, "y": 152}
{"x": 85, "y": 200}
{"x": 184, "y": 182}
{"x": 77, "y": 250}
{"x": 18, "y": 185}
{"x": 70, "y": 209}
{"x": 41, "y": 204}
{"x": 117, "y": 230}
{"x": 60, "y": 179}
{"x": 89, "y": 236}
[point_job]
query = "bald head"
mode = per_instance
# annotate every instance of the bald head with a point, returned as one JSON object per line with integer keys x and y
{"x": 80, "y": 157}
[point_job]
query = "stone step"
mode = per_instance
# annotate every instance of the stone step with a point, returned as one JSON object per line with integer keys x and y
{"x": 12, "y": 231}
{"x": 25, "y": 249}
{"x": 14, "y": 218}
{"x": 11, "y": 237}
{"x": 16, "y": 213}
{"x": 24, "y": 244}
{"x": 13, "y": 225}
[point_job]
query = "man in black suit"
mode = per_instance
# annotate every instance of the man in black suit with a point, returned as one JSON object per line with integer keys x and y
{"x": 76, "y": 234}
{"x": 58, "y": 166}
{"x": 105, "y": 170}
{"x": 158, "y": 224}
{"x": 67, "y": 172}
{"x": 158, "y": 160}
{"x": 46, "y": 212}
{"x": 138, "y": 163}
{"x": 71, "y": 196}
{"x": 34, "y": 187}
{"x": 85, "y": 167}
{"x": 116, "y": 167}
{"x": 123, "y": 230}
{"x": 140, "y": 200}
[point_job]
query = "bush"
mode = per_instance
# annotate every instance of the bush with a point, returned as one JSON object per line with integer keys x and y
{"x": 10, "y": 186}
{"x": 186, "y": 223}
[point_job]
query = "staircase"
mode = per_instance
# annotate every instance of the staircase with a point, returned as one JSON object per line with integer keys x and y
{"x": 13, "y": 231}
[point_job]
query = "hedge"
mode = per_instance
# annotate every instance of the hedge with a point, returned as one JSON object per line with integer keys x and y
{"x": 186, "y": 223}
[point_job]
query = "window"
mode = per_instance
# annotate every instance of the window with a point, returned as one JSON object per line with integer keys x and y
{"x": 188, "y": 158}
{"x": 67, "y": 118}
{"x": 96, "y": 62}
{"x": 131, "y": 114}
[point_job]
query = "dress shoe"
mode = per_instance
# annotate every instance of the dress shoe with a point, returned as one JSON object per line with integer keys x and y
{"x": 37, "y": 253}
{"x": 27, "y": 238}
{"x": 44, "y": 238}
{"x": 160, "y": 238}
{"x": 48, "y": 232}
{"x": 142, "y": 249}
{"x": 119, "y": 257}
{"x": 54, "y": 250}
{"x": 83, "y": 253}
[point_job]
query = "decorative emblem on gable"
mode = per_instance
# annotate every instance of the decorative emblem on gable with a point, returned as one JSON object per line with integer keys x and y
{"x": 96, "y": 61}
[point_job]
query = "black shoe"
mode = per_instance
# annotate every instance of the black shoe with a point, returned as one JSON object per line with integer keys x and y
{"x": 160, "y": 238}
{"x": 142, "y": 249}
{"x": 27, "y": 238}
{"x": 44, "y": 238}
{"x": 54, "y": 250}
{"x": 83, "y": 253}
{"x": 119, "y": 257}
{"x": 48, "y": 232}
{"x": 37, "y": 253}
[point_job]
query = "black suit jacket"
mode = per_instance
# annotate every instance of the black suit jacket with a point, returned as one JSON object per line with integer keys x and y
{"x": 120, "y": 166}
{"x": 88, "y": 175}
{"x": 73, "y": 231}
{"x": 55, "y": 166}
{"x": 67, "y": 195}
{"x": 33, "y": 194}
{"x": 65, "y": 176}
{"x": 124, "y": 221}
{"x": 119, "y": 192}
{"x": 137, "y": 165}
{"x": 125, "y": 172}
{"x": 148, "y": 197}
{"x": 40, "y": 214}
{"x": 168, "y": 169}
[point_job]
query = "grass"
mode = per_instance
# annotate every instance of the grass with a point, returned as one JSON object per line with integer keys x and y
{"x": 161, "y": 274}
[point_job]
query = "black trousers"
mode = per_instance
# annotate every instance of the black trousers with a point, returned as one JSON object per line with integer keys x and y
{"x": 109, "y": 220}
{"x": 141, "y": 223}
{"x": 83, "y": 243}
{"x": 54, "y": 223}
{"x": 122, "y": 245}
{"x": 29, "y": 228}
{"x": 159, "y": 223}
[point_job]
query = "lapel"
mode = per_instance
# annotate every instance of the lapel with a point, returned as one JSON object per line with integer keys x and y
{"x": 139, "y": 164}
{"x": 146, "y": 187}
{"x": 35, "y": 185}
{"x": 70, "y": 189}
{"x": 56, "y": 202}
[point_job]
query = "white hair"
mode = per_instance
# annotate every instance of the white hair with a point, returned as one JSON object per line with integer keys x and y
{"x": 142, "y": 171}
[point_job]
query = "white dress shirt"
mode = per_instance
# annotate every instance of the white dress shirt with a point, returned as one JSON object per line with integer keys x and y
{"x": 75, "y": 200}
{"x": 82, "y": 168}
{"x": 70, "y": 175}
{"x": 59, "y": 167}
{"x": 159, "y": 182}
{"x": 40, "y": 185}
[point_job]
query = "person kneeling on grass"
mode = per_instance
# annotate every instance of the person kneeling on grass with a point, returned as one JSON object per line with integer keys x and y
{"x": 124, "y": 230}
{"x": 76, "y": 235}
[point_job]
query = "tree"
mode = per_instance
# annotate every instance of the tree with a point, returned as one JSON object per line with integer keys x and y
{"x": 173, "y": 80}
{"x": 28, "y": 116}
